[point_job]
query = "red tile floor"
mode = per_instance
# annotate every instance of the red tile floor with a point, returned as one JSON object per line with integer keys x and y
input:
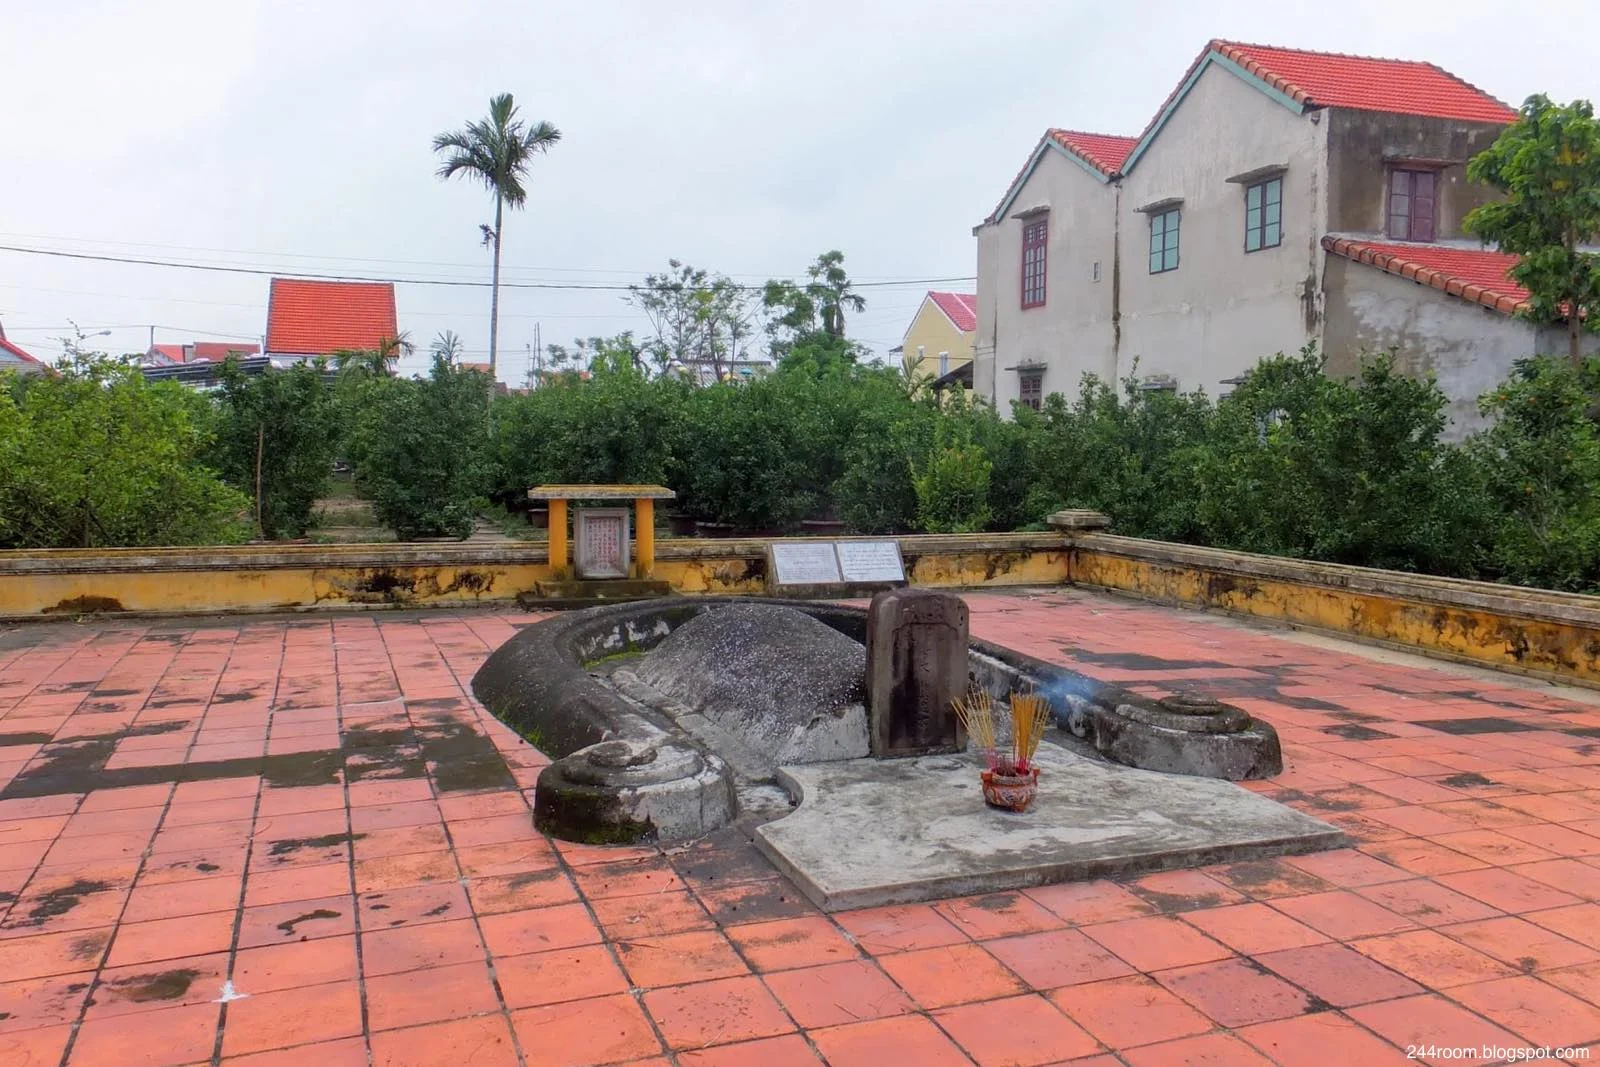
{"x": 301, "y": 841}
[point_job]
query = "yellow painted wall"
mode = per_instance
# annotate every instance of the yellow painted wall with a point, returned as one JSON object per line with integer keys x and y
{"x": 935, "y": 333}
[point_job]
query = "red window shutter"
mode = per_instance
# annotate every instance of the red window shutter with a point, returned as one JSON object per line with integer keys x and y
{"x": 1422, "y": 206}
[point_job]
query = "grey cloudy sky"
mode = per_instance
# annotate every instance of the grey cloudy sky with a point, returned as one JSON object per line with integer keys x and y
{"x": 740, "y": 137}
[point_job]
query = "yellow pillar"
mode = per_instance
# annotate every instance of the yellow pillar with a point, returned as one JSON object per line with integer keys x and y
{"x": 644, "y": 532}
{"x": 558, "y": 537}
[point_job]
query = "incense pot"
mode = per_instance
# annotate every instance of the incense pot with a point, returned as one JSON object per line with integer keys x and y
{"x": 1013, "y": 792}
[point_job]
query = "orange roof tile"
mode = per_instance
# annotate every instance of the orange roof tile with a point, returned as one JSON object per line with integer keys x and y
{"x": 318, "y": 318}
{"x": 217, "y": 351}
{"x": 960, "y": 308}
{"x": 1399, "y": 86}
{"x": 1478, "y": 275}
{"x": 1103, "y": 151}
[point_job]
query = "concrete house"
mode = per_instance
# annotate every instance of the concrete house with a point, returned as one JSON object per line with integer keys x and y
{"x": 15, "y": 359}
{"x": 307, "y": 319}
{"x": 1278, "y": 197}
{"x": 937, "y": 346}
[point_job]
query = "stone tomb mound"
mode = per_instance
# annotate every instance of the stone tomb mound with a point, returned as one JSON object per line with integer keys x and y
{"x": 762, "y": 685}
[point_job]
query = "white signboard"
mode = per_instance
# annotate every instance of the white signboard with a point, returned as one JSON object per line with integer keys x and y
{"x": 871, "y": 561}
{"x": 804, "y": 563}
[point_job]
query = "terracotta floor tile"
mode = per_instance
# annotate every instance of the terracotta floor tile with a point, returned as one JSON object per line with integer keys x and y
{"x": 1236, "y": 992}
{"x": 539, "y": 929}
{"x": 1157, "y": 942}
{"x": 790, "y": 1050}
{"x": 902, "y": 928}
{"x": 527, "y": 889}
{"x": 35, "y": 1002}
{"x": 674, "y": 958}
{"x": 627, "y": 878}
{"x": 434, "y": 994}
{"x": 1086, "y": 903}
{"x": 1056, "y": 958}
{"x": 1343, "y": 914}
{"x": 717, "y": 1012}
{"x": 1266, "y": 879}
{"x": 56, "y": 905}
{"x": 584, "y": 1032}
{"x": 1428, "y": 957}
{"x": 761, "y": 900}
{"x": 39, "y": 1047}
{"x": 952, "y": 974}
{"x": 1253, "y": 928}
{"x": 1321, "y": 1039}
{"x": 151, "y": 987}
{"x": 1338, "y": 974}
{"x": 1017, "y": 1032}
{"x": 1507, "y": 891}
{"x": 577, "y": 973}
{"x": 165, "y": 939}
{"x": 623, "y": 918}
{"x": 1430, "y": 1019}
{"x": 288, "y": 1017}
{"x": 300, "y": 963}
{"x": 482, "y": 1042}
{"x": 399, "y": 840}
{"x": 1494, "y": 847}
{"x": 1428, "y": 903}
{"x": 1535, "y": 1010}
{"x": 414, "y": 906}
{"x": 411, "y": 947}
{"x": 149, "y": 1039}
{"x": 1582, "y": 981}
{"x": 1580, "y": 922}
{"x": 511, "y": 857}
{"x": 198, "y": 896}
{"x": 1567, "y": 875}
{"x": 1521, "y": 944}
{"x": 420, "y": 810}
{"x": 297, "y": 920}
{"x": 838, "y": 993}
{"x": 1347, "y": 868}
{"x": 1174, "y": 891}
{"x": 381, "y": 873}
{"x": 296, "y": 883}
{"x": 346, "y": 1052}
{"x": 907, "y": 1039}
{"x": 1124, "y": 1012}
{"x": 787, "y": 943}
{"x": 1420, "y": 856}
{"x": 1207, "y": 1050}
{"x": 998, "y": 915}
{"x": 42, "y": 955}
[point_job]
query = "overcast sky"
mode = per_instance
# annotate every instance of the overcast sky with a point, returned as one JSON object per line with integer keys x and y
{"x": 741, "y": 137}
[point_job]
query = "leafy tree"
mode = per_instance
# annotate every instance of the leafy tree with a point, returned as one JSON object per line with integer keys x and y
{"x": 496, "y": 151}
{"x": 952, "y": 483}
{"x": 377, "y": 361}
{"x": 814, "y": 310}
{"x": 1547, "y": 163}
{"x": 97, "y": 456}
{"x": 699, "y": 319}
{"x": 421, "y": 451}
{"x": 276, "y": 437}
{"x": 446, "y": 346}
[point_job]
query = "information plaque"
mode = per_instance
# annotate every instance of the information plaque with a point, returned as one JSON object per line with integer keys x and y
{"x": 870, "y": 561}
{"x": 804, "y": 563}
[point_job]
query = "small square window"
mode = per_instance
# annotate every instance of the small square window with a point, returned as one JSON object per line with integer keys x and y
{"x": 1164, "y": 242}
{"x": 1035, "y": 237}
{"x": 1033, "y": 389}
{"x": 1263, "y": 215}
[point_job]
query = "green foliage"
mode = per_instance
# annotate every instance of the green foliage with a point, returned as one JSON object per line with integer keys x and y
{"x": 952, "y": 482}
{"x": 744, "y": 460}
{"x": 1541, "y": 467}
{"x": 1547, "y": 163}
{"x": 421, "y": 450}
{"x": 282, "y": 424}
{"x": 96, "y": 456}
{"x": 812, "y": 311}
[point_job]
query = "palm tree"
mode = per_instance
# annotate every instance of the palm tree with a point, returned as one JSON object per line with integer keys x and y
{"x": 374, "y": 361}
{"x": 497, "y": 151}
{"x": 447, "y": 346}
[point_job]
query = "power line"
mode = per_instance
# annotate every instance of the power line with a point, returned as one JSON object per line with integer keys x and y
{"x": 449, "y": 282}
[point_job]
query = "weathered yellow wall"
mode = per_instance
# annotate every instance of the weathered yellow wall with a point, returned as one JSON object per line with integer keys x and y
{"x": 935, "y": 333}
{"x": 1531, "y": 641}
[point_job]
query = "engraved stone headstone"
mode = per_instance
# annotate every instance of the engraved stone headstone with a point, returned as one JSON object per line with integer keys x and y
{"x": 916, "y": 666}
{"x": 602, "y": 536}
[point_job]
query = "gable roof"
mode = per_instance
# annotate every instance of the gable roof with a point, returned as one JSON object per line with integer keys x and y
{"x": 1478, "y": 275}
{"x": 1302, "y": 80}
{"x": 1099, "y": 154}
{"x": 960, "y": 308}
{"x": 317, "y": 318}
{"x": 12, "y": 350}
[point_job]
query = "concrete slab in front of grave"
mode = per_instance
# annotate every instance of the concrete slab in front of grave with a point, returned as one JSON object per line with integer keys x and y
{"x": 871, "y": 832}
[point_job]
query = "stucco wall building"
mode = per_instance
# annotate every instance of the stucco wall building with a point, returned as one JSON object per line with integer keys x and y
{"x": 1250, "y": 218}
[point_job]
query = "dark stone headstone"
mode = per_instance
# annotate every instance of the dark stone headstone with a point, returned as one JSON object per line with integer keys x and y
{"x": 916, "y": 668}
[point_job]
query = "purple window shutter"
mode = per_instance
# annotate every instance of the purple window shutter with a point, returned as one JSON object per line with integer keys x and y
{"x": 1422, "y": 206}
{"x": 1399, "y": 200}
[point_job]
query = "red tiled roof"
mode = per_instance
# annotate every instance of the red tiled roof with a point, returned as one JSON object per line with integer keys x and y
{"x": 318, "y": 318}
{"x": 172, "y": 352}
{"x": 1398, "y": 86}
{"x": 217, "y": 351}
{"x": 1472, "y": 274}
{"x": 1103, "y": 151}
{"x": 7, "y": 346}
{"x": 962, "y": 309}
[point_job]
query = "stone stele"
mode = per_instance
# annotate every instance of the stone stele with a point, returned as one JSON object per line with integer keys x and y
{"x": 916, "y": 668}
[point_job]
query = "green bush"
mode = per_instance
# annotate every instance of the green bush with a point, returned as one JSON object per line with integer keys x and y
{"x": 278, "y": 430}
{"x": 1540, "y": 462}
{"x": 952, "y": 483}
{"x": 743, "y": 460}
{"x": 421, "y": 451}
{"x": 98, "y": 457}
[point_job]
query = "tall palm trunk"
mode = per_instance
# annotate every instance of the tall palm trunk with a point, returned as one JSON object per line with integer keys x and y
{"x": 494, "y": 298}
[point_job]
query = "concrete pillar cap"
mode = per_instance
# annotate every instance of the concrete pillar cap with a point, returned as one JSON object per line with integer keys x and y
{"x": 1079, "y": 519}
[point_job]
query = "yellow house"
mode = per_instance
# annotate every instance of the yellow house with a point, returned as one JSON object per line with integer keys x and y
{"x": 939, "y": 339}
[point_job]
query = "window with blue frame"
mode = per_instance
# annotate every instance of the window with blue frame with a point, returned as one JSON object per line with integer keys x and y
{"x": 1164, "y": 241}
{"x": 1263, "y": 215}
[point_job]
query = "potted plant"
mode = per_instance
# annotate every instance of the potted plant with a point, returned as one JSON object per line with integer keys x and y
{"x": 1011, "y": 778}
